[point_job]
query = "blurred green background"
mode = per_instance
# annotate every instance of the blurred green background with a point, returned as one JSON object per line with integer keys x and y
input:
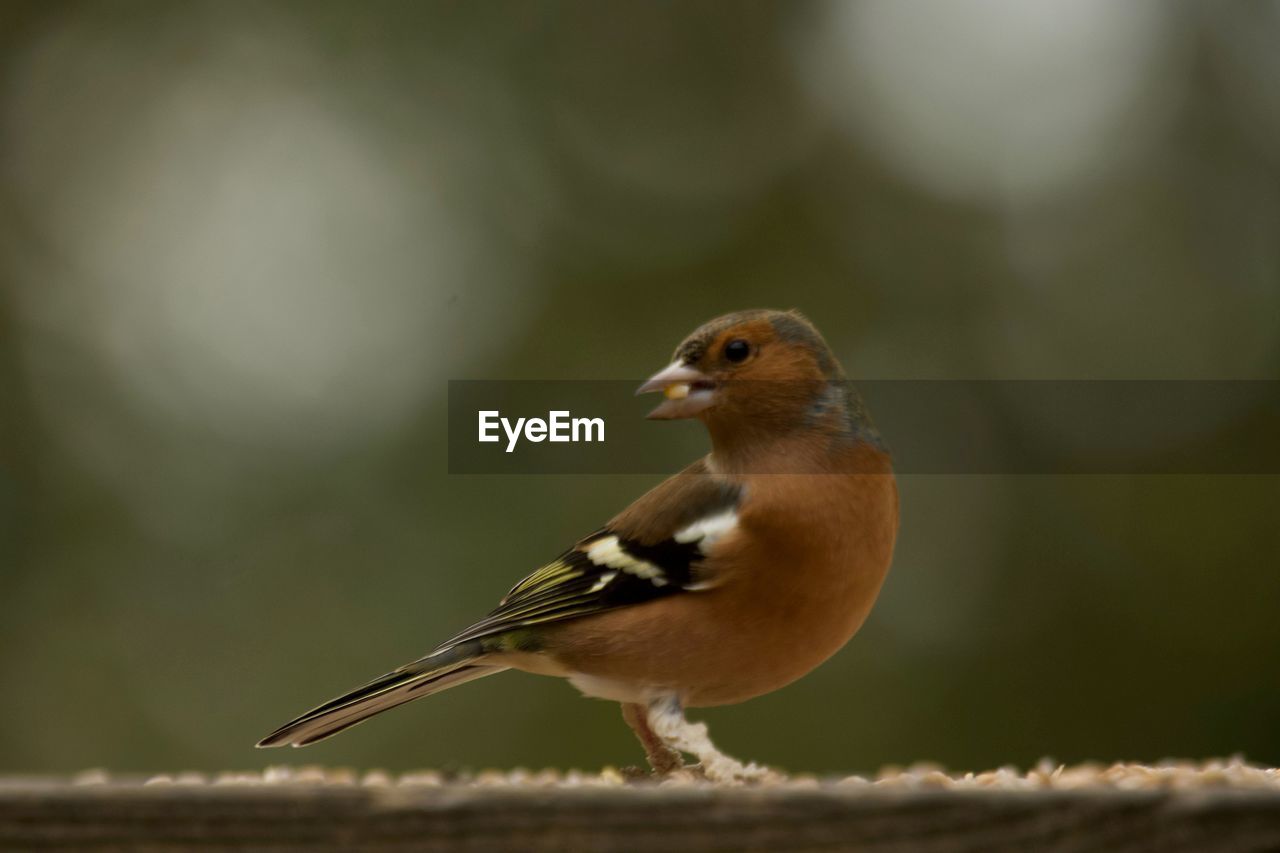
{"x": 243, "y": 247}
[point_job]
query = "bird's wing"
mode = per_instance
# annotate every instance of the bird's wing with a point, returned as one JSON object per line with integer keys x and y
{"x": 653, "y": 549}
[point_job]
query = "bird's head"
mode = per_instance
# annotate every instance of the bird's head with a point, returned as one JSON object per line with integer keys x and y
{"x": 760, "y": 371}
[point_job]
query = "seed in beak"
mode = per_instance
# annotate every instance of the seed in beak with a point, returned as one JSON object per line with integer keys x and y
{"x": 678, "y": 391}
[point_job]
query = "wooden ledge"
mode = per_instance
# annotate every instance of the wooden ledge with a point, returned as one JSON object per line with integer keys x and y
{"x": 600, "y": 814}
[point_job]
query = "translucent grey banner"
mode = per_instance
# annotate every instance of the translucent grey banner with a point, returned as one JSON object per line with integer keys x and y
{"x": 930, "y": 427}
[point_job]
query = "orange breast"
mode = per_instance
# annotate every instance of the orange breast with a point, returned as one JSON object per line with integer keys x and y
{"x": 792, "y": 585}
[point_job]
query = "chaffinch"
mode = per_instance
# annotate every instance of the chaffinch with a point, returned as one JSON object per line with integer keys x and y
{"x": 730, "y": 579}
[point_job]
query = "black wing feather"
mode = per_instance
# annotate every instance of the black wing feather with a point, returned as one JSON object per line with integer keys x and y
{"x": 573, "y": 585}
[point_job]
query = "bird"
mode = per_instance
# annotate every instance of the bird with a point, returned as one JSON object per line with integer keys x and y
{"x": 730, "y": 579}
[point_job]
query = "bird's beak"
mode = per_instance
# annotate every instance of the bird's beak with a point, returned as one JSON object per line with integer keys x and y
{"x": 688, "y": 391}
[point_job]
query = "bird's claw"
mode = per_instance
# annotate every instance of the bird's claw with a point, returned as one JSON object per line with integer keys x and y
{"x": 723, "y": 771}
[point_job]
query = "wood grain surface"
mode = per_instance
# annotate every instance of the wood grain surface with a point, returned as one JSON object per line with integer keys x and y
{"x": 43, "y": 815}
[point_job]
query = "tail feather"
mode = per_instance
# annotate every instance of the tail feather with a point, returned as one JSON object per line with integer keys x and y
{"x": 423, "y": 677}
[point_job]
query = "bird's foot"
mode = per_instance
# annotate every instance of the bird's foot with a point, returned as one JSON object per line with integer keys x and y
{"x": 688, "y": 774}
{"x": 662, "y": 764}
{"x": 662, "y": 757}
{"x": 665, "y": 761}
{"x": 723, "y": 771}
{"x": 634, "y": 773}
{"x": 666, "y": 719}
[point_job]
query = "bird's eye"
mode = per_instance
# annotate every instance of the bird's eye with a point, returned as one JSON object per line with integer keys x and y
{"x": 737, "y": 350}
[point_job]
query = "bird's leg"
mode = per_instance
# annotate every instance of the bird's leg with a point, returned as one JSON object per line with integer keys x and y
{"x": 662, "y": 758}
{"x": 666, "y": 719}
